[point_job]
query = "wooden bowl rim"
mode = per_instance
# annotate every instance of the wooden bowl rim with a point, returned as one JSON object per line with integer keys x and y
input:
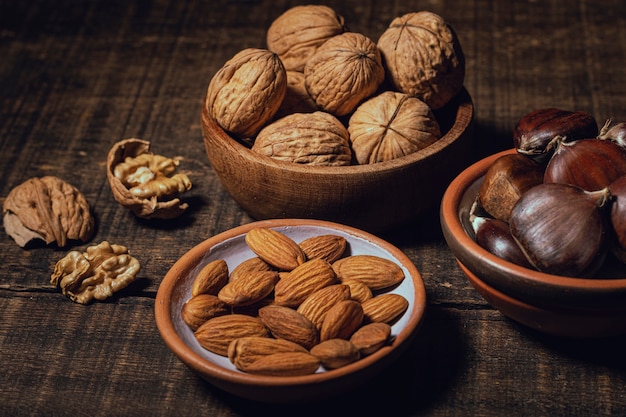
{"x": 461, "y": 103}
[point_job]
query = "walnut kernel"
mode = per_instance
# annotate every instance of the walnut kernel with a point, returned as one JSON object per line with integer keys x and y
{"x": 146, "y": 183}
{"x": 95, "y": 274}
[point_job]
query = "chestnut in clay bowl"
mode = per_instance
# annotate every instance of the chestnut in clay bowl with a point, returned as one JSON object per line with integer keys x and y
{"x": 562, "y": 305}
{"x": 375, "y": 197}
{"x": 231, "y": 246}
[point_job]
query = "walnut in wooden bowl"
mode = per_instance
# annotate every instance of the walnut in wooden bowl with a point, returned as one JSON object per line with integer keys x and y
{"x": 375, "y": 197}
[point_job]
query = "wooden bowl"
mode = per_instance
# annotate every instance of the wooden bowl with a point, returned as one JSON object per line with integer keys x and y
{"x": 376, "y": 197}
{"x": 603, "y": 296}
{"x": 175, "y": 290}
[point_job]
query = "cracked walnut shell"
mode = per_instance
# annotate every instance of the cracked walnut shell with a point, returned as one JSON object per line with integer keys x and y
{"x": 48, "y": 209}
{"x": 317, "y": 138}
{"x": 298, "y": 32}
{"x": 146, "y": 183}
{"x": 423, "y": 57}
{"x": 247, "y": 91}
{"x": 391, "y": 125}
{"x": 344, "y": 71}
{"x": 95, "y": 274}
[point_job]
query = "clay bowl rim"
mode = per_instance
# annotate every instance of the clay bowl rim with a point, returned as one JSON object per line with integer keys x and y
{"x": 465, "y": 248}
{"x": 215, "y": 372}
{"x": 551, "y": 320}
{"x": 463, "y": 119}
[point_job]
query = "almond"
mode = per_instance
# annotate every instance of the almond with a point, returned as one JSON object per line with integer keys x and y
{"x": 294, "y": 287}
{"x": 335, "y": 353}
{"x": 384, "y": 308}
{"x": 342, "y": 320}
{"x": 327, "y": 247}
{"x": 250, "y": 288}
{"x": 359, "y": 291}
{"x": 285, "y": 364}
{"x": 211, "y": 278}
{"x": 217, "y": 333}
{"x": 275, "y": 248}
{"x": 315, "y": 306}
{"x": 249, "y": 265}
{"x": 286, "y": 323}
{"x": 244, "y": 351}
{"x": 201, "y": 308}
{"x": 374, "y": 271}
{"x": 371, "y": 337}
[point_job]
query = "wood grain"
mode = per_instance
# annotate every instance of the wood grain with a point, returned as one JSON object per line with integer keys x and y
{"x": 75, "y": 77}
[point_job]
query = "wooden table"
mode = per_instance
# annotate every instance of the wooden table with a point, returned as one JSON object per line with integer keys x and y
{"x": 75, "y": 77}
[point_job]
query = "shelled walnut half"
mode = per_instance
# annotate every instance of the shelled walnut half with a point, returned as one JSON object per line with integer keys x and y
{"x": 48, "y": 209}
{"x": 146, "y": 183}
{"x": 97, "y": 273}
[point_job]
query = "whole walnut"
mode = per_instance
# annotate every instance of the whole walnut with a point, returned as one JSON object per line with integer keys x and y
{"x": 344, "y": 71}
{"x": 391, "y": 125}
{"x": 247, "y": 91}
{"x": 423, "y": 57}
{"x": 298, "y": 32}
{"x": 317, "y": 138}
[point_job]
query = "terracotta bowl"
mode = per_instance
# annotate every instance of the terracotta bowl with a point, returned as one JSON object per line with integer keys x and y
{"x": 376, "y": 197}
{"x": 602, "y": 297}
{"x": 175, "y": 290}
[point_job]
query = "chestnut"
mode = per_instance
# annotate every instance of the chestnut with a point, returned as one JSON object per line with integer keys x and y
{"x": 617, "y": 218}
{"x": 591, "y": 164}
{"x": 494, "y": 236}
{"x": 615, "y": 133}
{"x": 535, "y": 130}
{"x": 505, "y": 181}
{"x": 562, "y": 228}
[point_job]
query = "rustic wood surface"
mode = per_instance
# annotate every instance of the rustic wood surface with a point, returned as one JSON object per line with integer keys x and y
{"x": 77, "y": 76}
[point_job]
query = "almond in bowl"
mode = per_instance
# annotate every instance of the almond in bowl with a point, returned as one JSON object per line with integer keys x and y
{"x": 306, "y": 339}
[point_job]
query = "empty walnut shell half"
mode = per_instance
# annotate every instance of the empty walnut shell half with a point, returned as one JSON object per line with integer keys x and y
{"x": 391, "y": 125}
{"x": 48, "y": 209}
{"x": 145, "y": 183}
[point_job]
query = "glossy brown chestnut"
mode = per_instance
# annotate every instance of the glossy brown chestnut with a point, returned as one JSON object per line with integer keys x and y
{"x": 505, "y": 181}
{"x": 495, "y": 236}
{"x": 618, "y": 218}
{"x": 591, "y": 164}
{"x": 562, "y": 228}
{"x": 615, "y": 133}
{"x": 535, "y": 130}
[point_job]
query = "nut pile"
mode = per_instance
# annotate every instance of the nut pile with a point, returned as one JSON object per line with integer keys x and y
{"x": 295, "y": 306}
{"x": 323, "y": 95}
{"x": 558, "y": 204}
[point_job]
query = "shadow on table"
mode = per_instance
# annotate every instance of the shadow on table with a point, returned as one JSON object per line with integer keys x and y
{"x": 415, "y": 381}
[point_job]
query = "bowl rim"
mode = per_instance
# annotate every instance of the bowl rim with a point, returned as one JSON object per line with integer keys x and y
{"x": 451, "y": 221}
{"x": 464, "y": 115}
{"x": 553, "y": 320}
{"x": 233, "y": 377}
